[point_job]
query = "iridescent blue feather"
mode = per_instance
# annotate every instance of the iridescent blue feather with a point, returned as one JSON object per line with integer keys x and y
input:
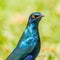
{"x": 28, "y": 46}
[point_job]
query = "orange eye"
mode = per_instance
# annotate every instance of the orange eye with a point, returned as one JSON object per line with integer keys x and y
{"x": 33, "y": 16}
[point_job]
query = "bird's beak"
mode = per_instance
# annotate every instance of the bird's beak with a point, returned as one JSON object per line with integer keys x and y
{"x": 40, "y": 16}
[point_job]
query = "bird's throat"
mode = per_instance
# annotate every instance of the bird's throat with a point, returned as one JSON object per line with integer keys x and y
{"x": 34, "y": 25}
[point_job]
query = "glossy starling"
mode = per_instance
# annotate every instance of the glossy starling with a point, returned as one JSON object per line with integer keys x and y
{"x": 29, "y": 44}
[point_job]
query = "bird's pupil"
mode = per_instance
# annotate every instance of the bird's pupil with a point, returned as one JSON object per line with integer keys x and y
{"x": 36, "y": 16}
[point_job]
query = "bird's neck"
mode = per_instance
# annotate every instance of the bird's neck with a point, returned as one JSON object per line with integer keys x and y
{"x": 33, "y": 25}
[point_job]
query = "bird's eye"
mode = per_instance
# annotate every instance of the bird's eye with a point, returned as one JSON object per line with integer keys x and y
{"x": 34, "y": 16}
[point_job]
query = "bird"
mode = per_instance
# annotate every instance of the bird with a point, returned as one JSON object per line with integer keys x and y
{"x": 29, "y": 44}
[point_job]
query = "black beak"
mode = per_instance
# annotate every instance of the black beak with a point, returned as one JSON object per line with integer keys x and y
{"x": 40, "y": 16}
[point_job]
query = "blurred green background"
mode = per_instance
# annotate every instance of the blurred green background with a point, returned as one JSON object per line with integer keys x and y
{"x": 13, "y": 19}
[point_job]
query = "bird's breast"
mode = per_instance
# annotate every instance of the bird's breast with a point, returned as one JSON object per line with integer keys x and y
{"x": 31, "y": 31}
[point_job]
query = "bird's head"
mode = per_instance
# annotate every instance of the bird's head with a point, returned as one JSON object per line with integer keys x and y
{"x": 35, "y": 17}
